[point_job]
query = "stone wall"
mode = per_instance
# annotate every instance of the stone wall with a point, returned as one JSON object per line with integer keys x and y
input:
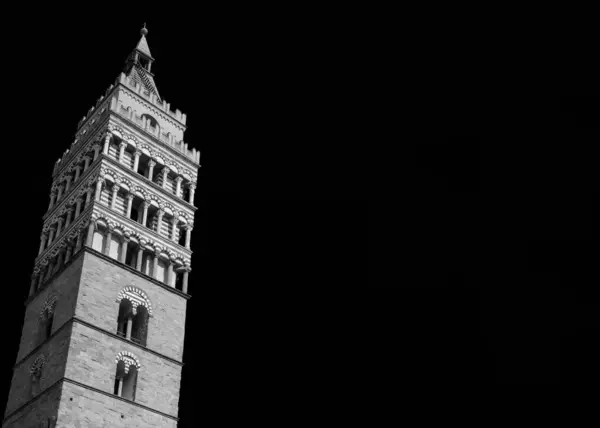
{"x": 90, "y": 409}
{"x": 92, "y": 362}
{"x": 101, "y": 282}
{"x": 38, "y": 411}
{"x": 55, "y": 354}
{"x": 65, "y": 287}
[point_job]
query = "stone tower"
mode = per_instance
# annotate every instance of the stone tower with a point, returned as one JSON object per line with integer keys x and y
{"x": 102, "y": 339}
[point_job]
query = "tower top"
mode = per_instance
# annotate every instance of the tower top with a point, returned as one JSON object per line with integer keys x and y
{"x": 139, "y": 62}
{"x": 142, "y": 45}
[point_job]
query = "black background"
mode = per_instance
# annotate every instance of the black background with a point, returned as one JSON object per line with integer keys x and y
{"x": 477, "y": 145}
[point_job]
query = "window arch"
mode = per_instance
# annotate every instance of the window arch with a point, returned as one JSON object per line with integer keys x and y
{"x": 134, "y": 315}
{"x": 128, "y": 367}
{"x": 35, "y": 371}
{"x": 47, "y": 317}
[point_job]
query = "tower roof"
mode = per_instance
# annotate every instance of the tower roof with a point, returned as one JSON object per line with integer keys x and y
{"x": 142, "y": 45}
{"x": 138, "y": 64}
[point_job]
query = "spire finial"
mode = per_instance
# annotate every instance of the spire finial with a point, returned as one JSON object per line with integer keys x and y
{"x": 144, "y": 31}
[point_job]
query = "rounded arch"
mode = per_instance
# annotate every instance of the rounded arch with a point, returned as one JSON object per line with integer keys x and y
{"x": 137, "y": 297}
{"x": 128, "y": 359}
{"x": 36, "y": 367}
{"x": 48, "y": 306}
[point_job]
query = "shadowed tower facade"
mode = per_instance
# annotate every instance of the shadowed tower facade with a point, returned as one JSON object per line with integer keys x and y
{"x": 103, "y": 334}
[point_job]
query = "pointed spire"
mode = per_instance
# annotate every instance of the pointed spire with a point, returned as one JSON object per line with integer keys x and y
{"x": 138, "y": 64}
{"x": 142, "y": 45}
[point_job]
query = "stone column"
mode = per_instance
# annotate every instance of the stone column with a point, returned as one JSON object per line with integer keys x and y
{"x": 145, "y": 214}
{"x": 42, "y": 243}
{"x": 86, "y": 163}
{"x": 52, "y": 199}
{"x": 34, "y": 280}
{"x": 140, "y": 255}
{"x": 138, "y": 262}
{"x": 184, "y": 287}
{"x": 77, "y": 172}
{"x": 151, "y": 165}
{"x": 188, "y": 236}
{"x": 77, "y": 207}
{"x": 129, "y": 204}
{"x": 78, "y": 243}
{"x": 136, "y": 160}
{"x": 122, "y": 147}
{"x": 68, "y": 218}
{"x": 90, "y": 234}
{"x": 129, "y": 326}
{"x": 160, "y": 214}
{"x": 120, "y": 389}
{"x": 174, "y": 221}
{"x": 113, "y": 199}
{"x": 59, "y": 194}
{"x": 68, "y": 185}
{"x": 170, "y": 274}
{"x": 88, "y": 197}
{"x": 59, "y": 227}
{"x": 165, "y": 173}
{"x": 178, "y": 181}
{"x": 106, "y": 143}
{"x": 124, "y": 244}
{"x": 106, "y": 249}
{"x": 192, "y": 192}
{"x": 68, "y": 253}
{"x": 96, "y": 151}
{"x": 155, "y": 265}
{"x": 99, "y": 181}
{"x": 60, "y": 259}
{"x": 50, "y": 235}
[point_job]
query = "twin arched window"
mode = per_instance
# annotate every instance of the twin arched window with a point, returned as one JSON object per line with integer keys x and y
{"x": 126, "y": 376}
{"x": 134, "y": 315}
{"x": 47, "y": 318}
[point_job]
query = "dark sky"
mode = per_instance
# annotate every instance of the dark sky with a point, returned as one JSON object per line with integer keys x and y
{"x": 483, "y": 273}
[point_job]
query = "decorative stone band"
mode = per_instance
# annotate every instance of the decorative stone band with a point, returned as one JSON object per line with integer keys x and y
{"x": 136, "y": 297}
{"x": 174, "y": 166}
{"x": 143, "y": 240}
{"x": 128, "y": 359}
{"x": 48, "y": 307}
{"x": 118, "y": 179}
{"x": 36, "y": 367}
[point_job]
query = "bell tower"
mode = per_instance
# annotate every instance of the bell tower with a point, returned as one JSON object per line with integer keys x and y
{"x": 102, "y": 339}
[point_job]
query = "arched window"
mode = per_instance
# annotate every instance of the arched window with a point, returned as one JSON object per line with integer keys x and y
{"x": 35, "y": 371}
{"x": 47, "y": 317}
{"x": 126, "y": 375}
{"x": 134, "y": 315}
